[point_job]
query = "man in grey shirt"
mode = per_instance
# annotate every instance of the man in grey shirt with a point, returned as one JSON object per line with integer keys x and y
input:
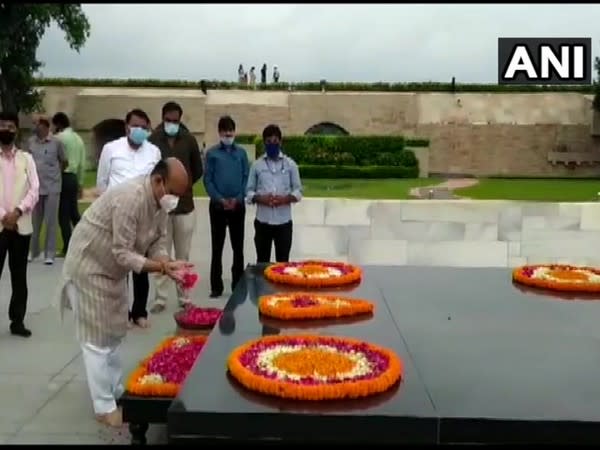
{"x": 273, "y": 185}
{"x": 49, "y": 155}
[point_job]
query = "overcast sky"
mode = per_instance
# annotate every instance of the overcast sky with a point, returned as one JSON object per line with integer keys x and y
{"x": 308, "y": 42}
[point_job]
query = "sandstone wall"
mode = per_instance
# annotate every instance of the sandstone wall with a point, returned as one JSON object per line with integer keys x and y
{"x": 471, "y": 133}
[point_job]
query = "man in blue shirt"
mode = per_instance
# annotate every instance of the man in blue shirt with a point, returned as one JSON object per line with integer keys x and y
{"x": 273, "y": 185}
{"x": 225, "y": 180}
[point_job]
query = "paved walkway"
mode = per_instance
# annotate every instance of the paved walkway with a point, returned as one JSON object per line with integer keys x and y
{"x": 42, "y": 380}
{"x": 448, "y": 186}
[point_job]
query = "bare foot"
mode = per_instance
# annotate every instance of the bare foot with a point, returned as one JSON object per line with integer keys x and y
{"x": 112, "y": 419}
{"x": 157, "y": 307}
{"x": 142, "y": 322}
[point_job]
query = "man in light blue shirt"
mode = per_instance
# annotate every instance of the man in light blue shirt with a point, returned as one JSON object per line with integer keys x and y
{"x": 273, "y": 185}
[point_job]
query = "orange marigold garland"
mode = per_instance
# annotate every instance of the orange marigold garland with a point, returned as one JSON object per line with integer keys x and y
{"x": 162, "y": 373}
{"x": 313, "y": 273}
{"x": 559, "y": 277}
{"x": 308, "y": 367}
{"x": 302, "y": 305}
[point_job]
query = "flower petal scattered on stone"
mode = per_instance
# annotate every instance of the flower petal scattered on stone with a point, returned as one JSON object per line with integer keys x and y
{"x": 197, "y": 316}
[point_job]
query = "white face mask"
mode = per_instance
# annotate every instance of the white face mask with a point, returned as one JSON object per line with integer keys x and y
{"x": 227, "y": 141}
{"x": 168, "y": 202}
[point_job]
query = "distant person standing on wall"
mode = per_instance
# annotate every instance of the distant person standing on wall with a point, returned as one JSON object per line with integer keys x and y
{"x": 174, "y": 140}
{"x": 263, "y": 74}
{"x": 252, "y": 77}
{"x": 72, "y": 176}
{"x": 275, "y": 74}
{"x": 50, "y": 160}
{"x": 225, "y": 181}
{"x": 241, "y": 74}
{"x": 273, "y": 185}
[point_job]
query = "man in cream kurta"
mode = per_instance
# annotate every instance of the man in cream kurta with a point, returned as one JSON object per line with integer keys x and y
{"x": 127, "y": 222}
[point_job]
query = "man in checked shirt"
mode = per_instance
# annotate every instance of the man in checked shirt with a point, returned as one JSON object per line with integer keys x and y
{"x": 273, "y": 185}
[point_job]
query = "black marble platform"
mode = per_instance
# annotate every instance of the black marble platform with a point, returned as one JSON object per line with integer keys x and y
{"x": 485, "y": 362}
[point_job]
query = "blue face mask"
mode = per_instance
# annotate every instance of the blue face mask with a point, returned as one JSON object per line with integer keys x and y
{"x": 227, "y": 141}
{"x": 171, "y": 129}
{"x": 272, "y": 150}
{"x": 138, "y": 135}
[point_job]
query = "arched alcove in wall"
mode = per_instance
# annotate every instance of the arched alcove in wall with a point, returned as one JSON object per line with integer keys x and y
{"x": 327, "y": 128}
{"x": 106, "y": 131}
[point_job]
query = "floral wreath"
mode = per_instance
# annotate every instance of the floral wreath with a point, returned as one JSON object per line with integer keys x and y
{"x": 313, "y": 273}
{"x": 559, "y": 277}
{"x": 166, "y": 368}
{"x": 310, "y": 367}
{"x": 304, "y": 305}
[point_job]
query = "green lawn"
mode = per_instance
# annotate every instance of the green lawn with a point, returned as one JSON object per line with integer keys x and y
{"x": 541, "y": 190}
{"x": 368, "y": 189}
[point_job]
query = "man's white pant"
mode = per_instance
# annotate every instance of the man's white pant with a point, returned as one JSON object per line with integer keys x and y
{"x": 180, "y": 228}
{"x": 103, "y": 367}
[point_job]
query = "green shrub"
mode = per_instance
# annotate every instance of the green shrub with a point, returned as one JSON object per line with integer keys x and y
{"x": 244, "y": 138}
{"x": 350, "y": 156}
{"x": 408, "y": 159}
{"x": 362, "y": 172}
{"x": 341, "y": 150}
{"x": 596, "y": 85}
{"x": 311, "y": 86}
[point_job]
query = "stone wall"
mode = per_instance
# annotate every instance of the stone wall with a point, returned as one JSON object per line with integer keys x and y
{"x": 430, "y": 232}
{"x": 471, "y": 133}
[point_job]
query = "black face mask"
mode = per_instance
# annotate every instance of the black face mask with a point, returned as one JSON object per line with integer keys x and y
{"x": 7, "y": 137}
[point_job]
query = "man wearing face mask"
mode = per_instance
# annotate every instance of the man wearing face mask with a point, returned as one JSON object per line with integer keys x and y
{"x": 19, "y": 186}
{"x": 174, "y": 140}
{"x": 122, "y": 231}
{"x": 225, "y": 182}
{"x": 121, "y": 160}
{"x": 49, "y": 155}
{"x": 273, "y": 185}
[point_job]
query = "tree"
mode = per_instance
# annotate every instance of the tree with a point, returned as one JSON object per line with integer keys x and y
{"x": 596, "y": 101}
{"x": 22, "y": 26}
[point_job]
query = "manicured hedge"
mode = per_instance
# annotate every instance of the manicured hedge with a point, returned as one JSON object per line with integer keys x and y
{"x": 346, "y": 150}
{"x": 310, "y": 86}
{"x": 253, "y": 139}
{"x": 350, "y": 156}
{"x": 364, "y": 172}
{"x": 245, "y": 138}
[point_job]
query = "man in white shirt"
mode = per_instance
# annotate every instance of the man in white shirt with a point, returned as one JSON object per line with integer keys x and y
{"x": 121, "y": 160}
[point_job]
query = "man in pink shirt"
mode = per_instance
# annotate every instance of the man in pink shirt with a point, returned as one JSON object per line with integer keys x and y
{"x": 19, "y": 188}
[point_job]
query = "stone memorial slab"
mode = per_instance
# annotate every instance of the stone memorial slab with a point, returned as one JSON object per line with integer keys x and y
{"x": 480, "y": 360}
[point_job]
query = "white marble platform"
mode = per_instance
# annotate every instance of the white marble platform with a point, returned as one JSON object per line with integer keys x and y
{"x": 463, "y": 233}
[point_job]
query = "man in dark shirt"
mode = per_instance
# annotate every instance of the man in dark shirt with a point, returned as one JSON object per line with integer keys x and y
{"x": 225, "y": 180}
{"x": 174, "y": 140}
